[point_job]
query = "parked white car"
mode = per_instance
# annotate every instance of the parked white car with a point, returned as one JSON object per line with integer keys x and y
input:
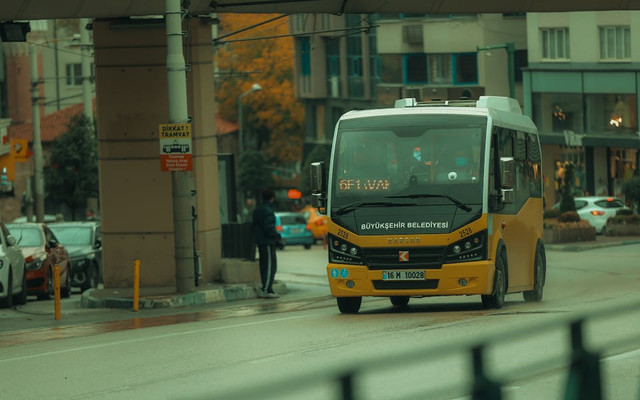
{"x": 597, "y": 209}
{"x": 13, "y": 274}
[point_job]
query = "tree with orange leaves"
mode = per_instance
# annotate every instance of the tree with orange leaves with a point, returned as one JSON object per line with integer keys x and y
{"x": 272, "y": 117}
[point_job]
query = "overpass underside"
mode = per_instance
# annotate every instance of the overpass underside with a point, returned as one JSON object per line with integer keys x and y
{"x": 46, "y": 9}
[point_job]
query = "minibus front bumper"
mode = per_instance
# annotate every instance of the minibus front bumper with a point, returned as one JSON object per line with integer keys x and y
{"x": 469, "y": 278}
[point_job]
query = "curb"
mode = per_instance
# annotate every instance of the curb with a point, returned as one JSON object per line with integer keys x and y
{"x": 91, "y": 298}
{"x": 578, "y": 248}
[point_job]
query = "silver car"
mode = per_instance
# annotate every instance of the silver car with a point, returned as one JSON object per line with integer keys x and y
{"x": 13, "y": 276}
{"x": 597, "y": 209}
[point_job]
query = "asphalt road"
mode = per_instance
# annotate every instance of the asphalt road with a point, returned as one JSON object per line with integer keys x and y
{"x": 300, "y": 341}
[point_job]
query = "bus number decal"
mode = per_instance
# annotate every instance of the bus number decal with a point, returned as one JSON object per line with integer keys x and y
{"x": 343, "y": 234}
{"x": 465, "y": 232}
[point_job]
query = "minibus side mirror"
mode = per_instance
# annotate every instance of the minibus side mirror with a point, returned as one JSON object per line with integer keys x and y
{"x": 318, "y": 187}
{"x": 507, "y": 178}
{"x": 318, "y": 183}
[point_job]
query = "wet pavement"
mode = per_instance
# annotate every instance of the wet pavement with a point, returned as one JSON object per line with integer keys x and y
{"x": 112, "y": 308}
{"x": 130, "y": 321}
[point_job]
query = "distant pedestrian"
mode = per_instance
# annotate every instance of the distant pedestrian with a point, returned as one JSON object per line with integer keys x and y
{"x": 267, "y": 239}
{"x": 91, "y": 216}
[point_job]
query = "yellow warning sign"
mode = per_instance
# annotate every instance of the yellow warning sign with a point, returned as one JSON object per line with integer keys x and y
{"x": 175, "y": 147}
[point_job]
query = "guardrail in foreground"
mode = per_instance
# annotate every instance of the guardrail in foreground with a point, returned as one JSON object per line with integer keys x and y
{"x": 583, "y": 379}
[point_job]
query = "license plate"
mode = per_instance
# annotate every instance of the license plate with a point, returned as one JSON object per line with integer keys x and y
{"x": 295, "y": 230}
{"x": 402, "y": 275}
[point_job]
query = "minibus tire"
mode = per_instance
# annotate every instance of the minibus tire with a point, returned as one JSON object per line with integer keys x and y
{"x": 349, "y": 305}
{"x": 399, "y": 301}
{"x": 539, "y": 275}
{"x": 496, "y": 300}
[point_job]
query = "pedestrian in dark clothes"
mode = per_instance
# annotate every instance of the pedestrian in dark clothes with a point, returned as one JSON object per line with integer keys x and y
{"x": 267, "y": 238}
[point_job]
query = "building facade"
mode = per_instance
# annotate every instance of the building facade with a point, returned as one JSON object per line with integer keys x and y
{"x": 365, "y": 61}
{"x": 581, "y": 89}
{"x": 60, "y": 96}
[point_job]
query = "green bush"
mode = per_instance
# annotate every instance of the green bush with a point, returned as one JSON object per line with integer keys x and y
{"x": 551, "y": 213}
{"x": 625, "y": 219}
{"x": 624, "y": 211}
{"x": 569, "y": 216}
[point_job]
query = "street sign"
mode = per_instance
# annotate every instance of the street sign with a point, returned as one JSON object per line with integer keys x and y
{"x": 175, "y": 147}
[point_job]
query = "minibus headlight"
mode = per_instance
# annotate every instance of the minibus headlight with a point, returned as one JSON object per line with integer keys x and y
{"x": 471, "y": 248}
{"x": 343, "y": 252}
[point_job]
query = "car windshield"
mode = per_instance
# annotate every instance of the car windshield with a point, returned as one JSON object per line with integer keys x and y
{"x": 72, "y": 235}
{"x": 379, "y": 157}
{"x": 26, "y": 237}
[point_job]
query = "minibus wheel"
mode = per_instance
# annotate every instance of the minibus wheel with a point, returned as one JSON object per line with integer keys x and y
{"x": 349, "y": 305}
{"x": 496, "y": 300}
{"x": 399, "y": 301}
{"x": 538, "y": 277}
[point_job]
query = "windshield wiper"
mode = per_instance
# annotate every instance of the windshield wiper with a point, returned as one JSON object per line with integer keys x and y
{"x": 428, "y": 195}
{"x": 355, "y": 205}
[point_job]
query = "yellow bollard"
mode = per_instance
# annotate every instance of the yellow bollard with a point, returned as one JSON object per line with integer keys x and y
{"x": 136, "y": 284}
{"x": 56, "y": 290}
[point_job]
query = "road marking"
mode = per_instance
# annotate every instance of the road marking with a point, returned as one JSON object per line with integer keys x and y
{"x": 144, "y": 339}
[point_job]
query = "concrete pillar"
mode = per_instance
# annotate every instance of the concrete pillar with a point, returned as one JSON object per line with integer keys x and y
{"x": 135, "y": 195}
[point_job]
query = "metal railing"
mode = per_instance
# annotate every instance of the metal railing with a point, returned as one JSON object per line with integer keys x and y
{"x": 578, "y": 363}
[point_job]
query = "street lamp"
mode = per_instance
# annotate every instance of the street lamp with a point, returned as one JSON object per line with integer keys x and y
{"x": 510, "y": 48}
{"x": 254, "y": 88}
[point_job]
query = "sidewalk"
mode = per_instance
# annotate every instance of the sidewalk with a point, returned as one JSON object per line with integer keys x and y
{"x": 600, "y": 242}
{"x": 166, "y": 297}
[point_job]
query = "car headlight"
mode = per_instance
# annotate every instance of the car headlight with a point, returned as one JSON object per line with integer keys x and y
{"x": 343, "y": 252}
{"x": 77, "y": 262}
{"x": 471, "y": 248}
{"x": 36, "y": 264}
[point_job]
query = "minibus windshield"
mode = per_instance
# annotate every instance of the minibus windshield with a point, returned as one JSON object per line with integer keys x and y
{"x": 395, "y": 157}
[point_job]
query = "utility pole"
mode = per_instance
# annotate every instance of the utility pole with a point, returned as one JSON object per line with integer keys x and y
{"x": 85, "y": 45}
{"x": 510, "y": 48}
{"x": 37, "y": 141}
{"x": 181, "y": 181}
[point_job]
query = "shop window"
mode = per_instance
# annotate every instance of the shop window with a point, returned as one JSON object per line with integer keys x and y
{"x": 611, "y": 113}
{"x": 623, "y": 167}
{"x": 558, "y": 112}
{"x": 575, "y": 156}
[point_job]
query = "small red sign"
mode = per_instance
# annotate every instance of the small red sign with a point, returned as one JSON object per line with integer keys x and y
{"x": 176, "y": 162}
{"x": 403, "y": 255}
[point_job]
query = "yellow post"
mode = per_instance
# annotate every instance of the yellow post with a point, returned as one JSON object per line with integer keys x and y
{"x": 56, "y": 290}
{"x": 136, "y": 284}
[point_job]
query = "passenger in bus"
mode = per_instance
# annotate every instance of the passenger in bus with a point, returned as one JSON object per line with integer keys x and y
{"x": 457, "y": 167}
